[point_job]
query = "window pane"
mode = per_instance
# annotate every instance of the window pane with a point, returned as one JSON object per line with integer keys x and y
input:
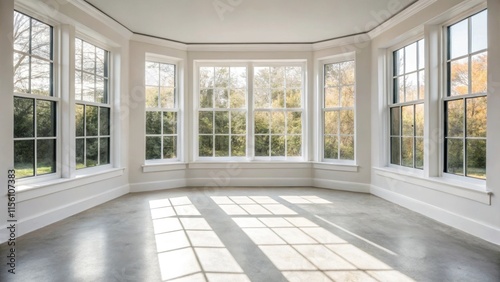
{"x": 167, "y": 75}
{"x": 411, "y": 86}
{"x": 101, "y": 62}
{"x": 21, "y": 32}
{"x": 153, "y": 148}
{"x": 332, "y": 122}
{"x": 24, "y": 120}
{"x": 399, "y": 62}
{"x": 347, "y": 122}
{"x": 459, "y": 77}
{"x": 277, "y": 123}
{"x": 419, "y": 120}
{"x": 46, "y": 118}
{"x": 294, "y": 123}
{"x": 399, "y": 83}
{"x": 293, "y": 98}
{"x": 104, "y": 151}
{"x": 332, "y": 97}
{"x": 221, "y": 98}
{"x": 104, "y": 121}
{"x": 277, "y": 75}
{"x": 21, "y": 73}
{"x": 238, "y": 77}
{"x": 46, "y": 156}
{"x": 92, "y": 152}
{"x": 476, "y": 117}
{"x": 347, "y": 75}
{"x": 455, "y": 118}
{"x": 408, "y": 120}
{"x": 346, "y": 148}
{"x": 91, "y": 120}
{"x": 206, "y": 77}
{"x": 479, "y": 73}
{"x": 262, "y": 122}
{"x": 88, "y": 88}
{"x": 169, "y": 147}
{"x": 88, "y": 57}
{"x": 262, "y": 145}
{"x": 24, "y": 158}
{"x": 419, "y": 153}
{"x": 238, "y": 146}
{"x": 41, "y": 39}
{"x": 421, "y": 54}
{"x": 479, "y": 31}
{"x": 332, "y": 75}
{"x": 78, "y": 85}
{"x": 455, "y": 156}
{"x": 221, "y": 146}
{"x": 411, "y": 58}
{"x": 261, "y": 78}
{"x": 169, "y": 123}
{"x": 278, "y": 99}
{"x": 153, "y": 122}
{"x": 80, "y": 120}
{"x": 395, "y": 121}
{"x": 206, "y": 98}
{"x": 421, "y": 85}
{"x": 277, "y": 146}
{"x": 78, "y": 54}
{"x": 206, "y": 121}
{"x": 331, "y": 147}
{"x": 407, "y": 152}
{"x": 238, "y": 100}
{"x": 41, "y": 77}
{"x": 152, "y": 74}
{"x": 222, "y": 122}
{"x": 206, "y": 146}
{"x": 100, "y": 90}
{"x": 167, "y": 95}
{"x": 347, "y": 97}
{"x": 459, "y": 38}
{"x": 80, "y": 153}
{"x": 476, "y": 158}
{"x": 262, "y": 98}
{"x": 294, "y": 146}
{"x": 238, "y": 122}
{"x": 221, "y": 77}
{"x": 293, "y": 77}
{"x": 395, "y": 150}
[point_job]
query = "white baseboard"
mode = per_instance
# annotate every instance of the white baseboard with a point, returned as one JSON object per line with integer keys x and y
{"x": 249, "y": 182}
{"x": 158, "y": 185}
{"x": 38, "y": 221}
{"x": 473, "y": 227}
{"x": 341, "y": 185}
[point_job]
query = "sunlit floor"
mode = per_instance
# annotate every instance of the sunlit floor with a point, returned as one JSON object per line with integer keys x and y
{"x": 251, "y": 234}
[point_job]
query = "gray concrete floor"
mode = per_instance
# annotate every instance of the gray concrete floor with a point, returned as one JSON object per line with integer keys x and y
{"x": 251, "y": 234}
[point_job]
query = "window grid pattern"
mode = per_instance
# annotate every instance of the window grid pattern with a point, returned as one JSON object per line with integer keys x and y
{"x": 161, "y": 111}
{"x": 278, "y": 111}
{"x": 35, "y": 105}
{"x": 92, "y": 109}
{"x": 338, "y": 111}
{"x": 222, "y": 114}
{"x": 466, "y": 101}
{"x": 407, "y": 108}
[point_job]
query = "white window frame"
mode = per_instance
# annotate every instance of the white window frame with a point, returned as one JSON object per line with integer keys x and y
{"x": 155, "y": 58}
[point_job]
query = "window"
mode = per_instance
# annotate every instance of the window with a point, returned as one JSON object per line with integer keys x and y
{"x": 92, "y": 109}
{"x": 222, "y": 114}
{"x": 407, "y": 108}
{"x": 35, "y": 105}
{"x": 278, "y": 111}
{"x": 465, "y": 102}
{"x": 161, "y": 112}
{"x": 338, "y": 111}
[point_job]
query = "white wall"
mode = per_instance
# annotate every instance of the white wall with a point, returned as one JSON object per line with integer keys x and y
{"x": 456, "y": 209}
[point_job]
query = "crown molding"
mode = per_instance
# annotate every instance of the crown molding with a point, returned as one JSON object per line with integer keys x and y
{"x": 400, "y": 17}
{"x": 338, "y": 42}
{"x": 159, "y": 42}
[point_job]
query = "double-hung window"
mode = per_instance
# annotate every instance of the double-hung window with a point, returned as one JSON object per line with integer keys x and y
{"x": 465, "y": 100}
{"x": 92, "y": 106}
{"x": 35, "y": 104}
{"x": 338, "y": 106}
{"x": 161, "y": 112}
{"x": 407, "y": 107}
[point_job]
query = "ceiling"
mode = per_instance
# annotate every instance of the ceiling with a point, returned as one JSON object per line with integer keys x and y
{"x": 250, "y": 21}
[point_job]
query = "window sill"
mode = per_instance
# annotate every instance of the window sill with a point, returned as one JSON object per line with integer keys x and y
{"x": 336, "y": 167}
{"x": 159, "y": 167}
{"x": 31, "y": 191}
{"x": 464, "y": 189}
{"x": 250, "y": 165}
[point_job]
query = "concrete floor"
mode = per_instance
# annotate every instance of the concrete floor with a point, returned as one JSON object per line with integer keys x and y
{"x": 251, "y": 234}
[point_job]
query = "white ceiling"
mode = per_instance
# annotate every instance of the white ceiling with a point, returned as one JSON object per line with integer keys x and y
{"x": 250, "y": 21}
